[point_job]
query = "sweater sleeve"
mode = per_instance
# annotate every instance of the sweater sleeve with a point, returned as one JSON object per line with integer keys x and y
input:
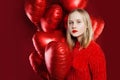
{"x": 97, "y": 63}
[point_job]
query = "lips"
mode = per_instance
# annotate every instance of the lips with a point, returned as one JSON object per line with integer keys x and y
{"x": 74, "y": 31}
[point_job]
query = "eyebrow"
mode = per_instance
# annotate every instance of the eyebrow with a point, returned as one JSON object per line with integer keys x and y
{"x": 72, "y": 20}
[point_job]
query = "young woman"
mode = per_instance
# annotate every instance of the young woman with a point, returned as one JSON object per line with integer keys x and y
{"x": 88, "y": 58}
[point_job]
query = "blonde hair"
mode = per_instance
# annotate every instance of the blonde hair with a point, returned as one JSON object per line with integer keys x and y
{"x": 87, "y": 35}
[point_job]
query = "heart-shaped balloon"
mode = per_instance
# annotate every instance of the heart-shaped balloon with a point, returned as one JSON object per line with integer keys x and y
{"x": 38, "y": 65}
{"x": 52, "y": 18}
{"x": 34, "y": 10}
{"x": 98, "y": 26}
{"x": 70, "y": 5}
{"x": 58, "y": 60}
{"x": 41, "y": 39}
{"x": 35, "y": 60}
{"x": 65, "y": 21}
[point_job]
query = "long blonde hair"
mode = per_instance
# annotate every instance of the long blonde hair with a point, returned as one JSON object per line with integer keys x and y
{"x": 87, "y": 35}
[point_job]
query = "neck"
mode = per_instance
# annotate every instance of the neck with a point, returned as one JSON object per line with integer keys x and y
{"x": 79, "y": 38}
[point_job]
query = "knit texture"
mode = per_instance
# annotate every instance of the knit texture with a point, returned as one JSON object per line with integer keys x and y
{"x": 88, "y": 63}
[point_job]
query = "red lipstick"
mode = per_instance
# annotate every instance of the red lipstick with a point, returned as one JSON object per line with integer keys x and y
{"x": 74, "y": 31}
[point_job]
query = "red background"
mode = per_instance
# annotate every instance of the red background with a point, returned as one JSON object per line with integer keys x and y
{"x": 16, "y": 32}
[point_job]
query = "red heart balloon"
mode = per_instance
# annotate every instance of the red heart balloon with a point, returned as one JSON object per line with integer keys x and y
{"x": 98, "y": 26}
{"x": 52, "y": 18}
{"x": 35, "y": 9}
{"x": 58, "y": 60}
{"x": 65, "y": 21}
{"x": 70, "y": 5}
{"x": 41, "y": 39}
{"x": 38, "y": 65}
{"x": 36, "y": 60}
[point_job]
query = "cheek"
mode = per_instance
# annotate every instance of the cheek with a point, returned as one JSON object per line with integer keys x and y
{"x": 81, "y": 29}
{"x": 69, "y": 28}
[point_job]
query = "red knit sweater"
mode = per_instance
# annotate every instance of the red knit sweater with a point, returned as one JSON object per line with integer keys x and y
{"x": 88, "y": 63}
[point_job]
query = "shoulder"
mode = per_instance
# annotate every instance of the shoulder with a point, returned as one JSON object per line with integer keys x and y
{"x": 95, "y": 50}
{"x": 94, "y": 46}
{"x": 97, "y": 62}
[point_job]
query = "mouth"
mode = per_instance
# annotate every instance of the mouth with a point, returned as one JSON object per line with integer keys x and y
{"x": 74, "y": 31}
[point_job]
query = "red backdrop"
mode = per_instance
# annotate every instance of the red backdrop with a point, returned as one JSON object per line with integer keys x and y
{"x": 16, "y": 32}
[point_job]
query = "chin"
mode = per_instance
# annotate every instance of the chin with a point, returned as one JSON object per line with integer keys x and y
{"x": 75, "y": 35}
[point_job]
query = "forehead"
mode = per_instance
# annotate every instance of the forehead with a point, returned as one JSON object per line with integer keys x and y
{"x": 75, "y": 15}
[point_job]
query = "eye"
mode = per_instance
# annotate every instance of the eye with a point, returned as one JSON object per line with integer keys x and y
{"x": 78, "y": 21}
{"x": 70, "y": 22}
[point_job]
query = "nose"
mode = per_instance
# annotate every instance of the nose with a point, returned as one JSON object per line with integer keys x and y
{"x": 74, "y": 26}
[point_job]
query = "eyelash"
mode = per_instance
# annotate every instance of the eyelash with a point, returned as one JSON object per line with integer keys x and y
{"x": 70, "y": 22}
{"x": 78, "y": 22}
{"x": 73, "y": 22}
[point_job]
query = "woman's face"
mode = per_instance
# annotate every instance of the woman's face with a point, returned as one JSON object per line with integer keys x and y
{"x": 76, "y": 25}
